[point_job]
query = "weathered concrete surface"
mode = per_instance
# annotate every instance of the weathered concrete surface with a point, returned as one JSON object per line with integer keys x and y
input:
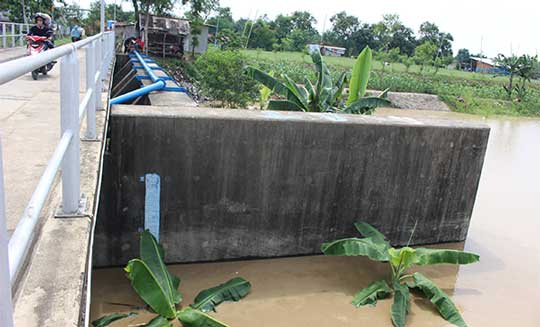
{"x": 52, "y": 291}
{"x": 52, "y": 286}
{"x": 237, "y": 183}
{"x": 12, "y": 53}
{"x": 30, "y": 131}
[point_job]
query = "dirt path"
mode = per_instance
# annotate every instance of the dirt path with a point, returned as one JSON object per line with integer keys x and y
{"x": 418, "y": 101}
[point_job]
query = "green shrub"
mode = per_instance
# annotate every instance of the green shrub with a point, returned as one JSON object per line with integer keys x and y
{"x": 220, "y": 78}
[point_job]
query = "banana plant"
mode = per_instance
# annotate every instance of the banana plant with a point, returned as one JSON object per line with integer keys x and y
{"x": 158, "y": 288}
{"x": 324, "y": 95}
{"x": 376, "y": 247}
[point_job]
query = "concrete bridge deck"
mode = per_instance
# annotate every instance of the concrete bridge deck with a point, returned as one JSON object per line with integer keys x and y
{"x": 53, "y": 284}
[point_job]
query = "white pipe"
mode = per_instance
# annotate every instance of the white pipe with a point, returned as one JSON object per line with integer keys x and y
{"x": 90, "y": 86}
{"x": 69, "y": 116}
{"x": 14, "y": 68}
{"x": 85, "y": 104}
{"x": 6, "y": 307}
{"x": 19, "y": 243}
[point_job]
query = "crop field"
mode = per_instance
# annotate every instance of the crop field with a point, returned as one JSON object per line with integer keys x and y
{"x": 463, "y": 91}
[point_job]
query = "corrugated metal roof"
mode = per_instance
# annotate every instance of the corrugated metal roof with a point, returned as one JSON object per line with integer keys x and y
{"x": 485, "y": 60}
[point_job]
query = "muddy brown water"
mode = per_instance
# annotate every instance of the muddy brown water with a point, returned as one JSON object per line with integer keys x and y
{"x": 503, "y": 289}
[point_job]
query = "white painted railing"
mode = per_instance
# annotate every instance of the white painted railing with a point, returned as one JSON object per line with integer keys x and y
{"x": 12, "y": 34}
{"x": 99, "y": 54}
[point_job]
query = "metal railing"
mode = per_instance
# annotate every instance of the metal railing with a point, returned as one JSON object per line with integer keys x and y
{"x": 99, "y": 54}
{"x": 15, "y": 32}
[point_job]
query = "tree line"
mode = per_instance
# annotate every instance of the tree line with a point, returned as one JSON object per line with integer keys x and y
{"x": 292, "y": 32}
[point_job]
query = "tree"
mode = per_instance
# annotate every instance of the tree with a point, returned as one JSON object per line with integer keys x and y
{"x": 343, "y": 29}
{"x": 262, "y": 36}
{"x": 406, "y": 61}
{"x": 384, "y": 30}
{"x": 92, "y": 20}
{"x": 424, "y": 54}
{"x": 23, "y": 11}
{"x": 230, "y": 40}
{"x": 392, "y": 33}
{"x": 429, "y": 32}
{"x": 222, "y": 19}
{"x": 522, "y": 66}
{"x": 300, "y": 23}
{"x": 463, "y": 58}
{"x": 403, "y": 39}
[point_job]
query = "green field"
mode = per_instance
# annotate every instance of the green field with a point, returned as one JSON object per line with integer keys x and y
{"x": 462, "y": 91}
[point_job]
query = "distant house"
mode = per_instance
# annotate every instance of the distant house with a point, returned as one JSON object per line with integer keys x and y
{"x": 171, "y": 36}
{"x": 327, "y": 50}
{"x": 485, "y": 66}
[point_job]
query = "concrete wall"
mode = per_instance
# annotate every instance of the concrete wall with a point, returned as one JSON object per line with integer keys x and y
{"x": 237, "y": 183}
{"x": 203, "y": 41}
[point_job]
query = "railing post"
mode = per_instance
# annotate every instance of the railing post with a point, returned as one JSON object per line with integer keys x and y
{"x": 90, "y": 84}
{"x": 6, "y": 308}
{"x": 69, "y": 111}
{"x": 21, "y": 34}
{"x": 99, "y": 83}
{"x": 4, "y": 37}
{"x": 13, "y": 35}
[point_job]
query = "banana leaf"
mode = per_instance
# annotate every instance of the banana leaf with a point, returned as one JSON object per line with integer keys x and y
{"x": 435, "y": 256}
{"x": 370, "y": 294}
{"x": 310, "y": 88}
{"x": 299, "y": 92}
{"x": 402, "y": 258}
{"x": 440, "y": 300}
{"x": 233, "y": 290}
{"x": 267, "y": 80}
{"x": 365, "y": 105}
{"x": 158, "y": 321}
{"x": 323, "y": 88}
{"x": 400, "y": 307}
{"x": 367, "y": 230}
{"x": 274, "y": 84}
{"x": 356, "y": 247}
{"x": 283, "y": 105}
{"x": 190, "y": 317}
{"x": 152, "y": 254}
{"x": 360, "y": 76}
{"x": 337, "y": 91}
{"x": 107, "y": 320}
{"x": 150, "y": 288}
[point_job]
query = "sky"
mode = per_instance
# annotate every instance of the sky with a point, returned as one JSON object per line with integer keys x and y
{"x": 479, "y": 25}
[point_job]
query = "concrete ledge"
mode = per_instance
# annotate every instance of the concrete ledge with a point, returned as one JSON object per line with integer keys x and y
{"x": 240, "y": 183}
{"x": 52, "y": 290}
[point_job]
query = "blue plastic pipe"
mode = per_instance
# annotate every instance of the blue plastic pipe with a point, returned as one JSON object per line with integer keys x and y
{"x": 159, "y": 84}
{"x": 149, "y": 70}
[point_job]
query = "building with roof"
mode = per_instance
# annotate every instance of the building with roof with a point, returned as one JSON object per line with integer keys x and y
{"x": 485, "y": 66}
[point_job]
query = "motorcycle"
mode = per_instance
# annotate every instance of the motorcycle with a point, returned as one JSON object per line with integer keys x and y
{"x": 36, "y": 45}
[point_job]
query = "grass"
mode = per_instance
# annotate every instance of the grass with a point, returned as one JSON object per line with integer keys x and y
{"x": 463, "y": 91}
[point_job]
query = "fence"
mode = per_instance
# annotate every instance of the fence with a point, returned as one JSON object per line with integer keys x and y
{"x": 99, "y": 54}
{"x": 13, "y": 34}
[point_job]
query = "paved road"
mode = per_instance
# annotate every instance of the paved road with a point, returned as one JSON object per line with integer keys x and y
{"x": 29, "y": 131}
{"x": 11, "y": 53}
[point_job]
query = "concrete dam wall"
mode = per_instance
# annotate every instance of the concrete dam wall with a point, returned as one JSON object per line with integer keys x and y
{"x": 220, "y": 184}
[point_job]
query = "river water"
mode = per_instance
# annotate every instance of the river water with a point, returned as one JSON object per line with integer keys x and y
{"x": 503, "y": 289}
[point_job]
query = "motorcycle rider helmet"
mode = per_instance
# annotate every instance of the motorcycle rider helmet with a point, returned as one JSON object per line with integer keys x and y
{"x": 39, "y": 15}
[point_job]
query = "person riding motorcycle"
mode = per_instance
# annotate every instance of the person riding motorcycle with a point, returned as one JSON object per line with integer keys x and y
{"x": 42, "y": 29}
